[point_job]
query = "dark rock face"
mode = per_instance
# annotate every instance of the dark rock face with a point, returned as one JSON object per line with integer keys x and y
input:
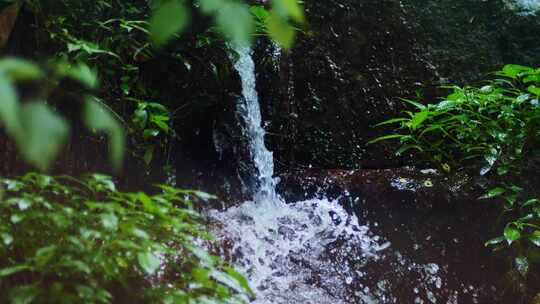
{"x": 209, "y": 151}
{"x": 468, "y": 39}
{"x": 355, "y": 59}
{"x": 343, "y": 76}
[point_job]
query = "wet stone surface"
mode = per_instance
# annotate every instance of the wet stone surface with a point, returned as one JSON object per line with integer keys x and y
{"x": 412, "y": 254}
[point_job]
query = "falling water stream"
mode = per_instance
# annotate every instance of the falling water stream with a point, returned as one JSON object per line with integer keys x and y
{"x": 310, "y": 251}
{"x": 273, "y": 239}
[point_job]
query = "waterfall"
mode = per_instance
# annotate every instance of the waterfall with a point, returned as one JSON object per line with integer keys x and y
{"x": 273, "y": 240}
{"x": 250, "y": 110}
{"x": 310, "y": 251}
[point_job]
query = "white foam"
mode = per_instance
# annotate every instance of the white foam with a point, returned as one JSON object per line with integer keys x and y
{"x": 525, "y": 5}
{"x": 280, "y": 248}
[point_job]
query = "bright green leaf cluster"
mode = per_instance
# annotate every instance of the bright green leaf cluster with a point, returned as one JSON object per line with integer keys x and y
{"x": 81, "y": 241}
{"x": 236, "y": 20}
{"x": 490, "y": 129}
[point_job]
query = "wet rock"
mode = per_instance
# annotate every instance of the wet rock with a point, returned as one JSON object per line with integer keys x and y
{"x": 417, "y": 188}
{"x": 435, "y": 229}
{"x": 355, "y": 59}
{"x": 344, "y": 75}
{"x": 466, "y": 39}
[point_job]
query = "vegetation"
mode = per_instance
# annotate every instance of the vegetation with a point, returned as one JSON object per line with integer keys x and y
{"x": 81, "y": 240}
{"x": 492, "y": 129}
{"x": 104, "y": 42}
{"x": 67, "y": 240}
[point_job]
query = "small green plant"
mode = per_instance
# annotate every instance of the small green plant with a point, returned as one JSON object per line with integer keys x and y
{"x": 66, "y": 240}
{"x": 150, "y": 122}
{"x": 491, "y": 129}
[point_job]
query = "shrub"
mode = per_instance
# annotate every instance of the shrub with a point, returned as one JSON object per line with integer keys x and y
{"x": 490, "y": 128}
{"x": 67, "y": 240}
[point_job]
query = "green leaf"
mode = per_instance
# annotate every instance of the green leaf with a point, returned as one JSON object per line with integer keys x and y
{"x": 44, "y": 255}
{"x": 418, "y": 119}
{"x": 78, "y": 265}
{"x": 210, "y": 6}
{"x": 17, "y": 69}
{"x": 495, "y": 192}
{"x": 537, "y": 210}
{"x": 418, "y": 105}
{"x": 511, "y": 234}
{"x": 148, "y": 155}
{"x": 495, "y": 241}
{"x": 167, "y": 20}
{"x": 289, "y": 8}
{"x": 280, "y": 31}
{"x": 140, "y": 118}
{"x": 386, "y": 137}
{"x": 392, "y": 121}
{"x": 148, "y": 204}
{"x": 9, "y": 106}
{"x": 530, "y": 202}
{"x": 148, "y": 262}
{"x": 534, "y": 90}
{"x": 531, "y": 78}
{"x": 204, "y": 196}
{"x": 159, "y": 121}
{"x": 99, "y": 119}
{"x": 240, "y": 279}
{"x": 140, "y": 233}
{"x": 83, "y": 74}
{"x": 43, "y": 134}
{"x": 235, "y": 21}
{"x": 4, "y": 272}
{"x": 260, "y": 13}
{"x": 150, "y": 133}
{"x": 23, "y": 294}
{"x": 535, "y": 238}
{"x": 513, "y": 70}
{"x": 406, "y": 148}
{"x": 503, "y": 170}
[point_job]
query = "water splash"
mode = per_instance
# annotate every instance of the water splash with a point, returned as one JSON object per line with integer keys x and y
{"x": 526, "y": 7}
{"x": 281, "y": 250}
{"x": 313, "y": 251}
{"x": 281, "y": 247}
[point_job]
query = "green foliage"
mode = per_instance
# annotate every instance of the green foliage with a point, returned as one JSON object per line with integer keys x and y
{"x": 66, "y": 240}
{"x": 167, "y": 20}
{"x": 150, "y": 122}
{"x": 492, "y": 129}
{"x": 37, "y": 129}
{"x": 231, "y": 17}
{"x": 100, "y": 119}
{"x": 261, "y": 17}
{"x": 491, "y": 123}
{"x": 278, "y": 22}
{"x": 235, "y": 20}
{"x": 112, "y": 39}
